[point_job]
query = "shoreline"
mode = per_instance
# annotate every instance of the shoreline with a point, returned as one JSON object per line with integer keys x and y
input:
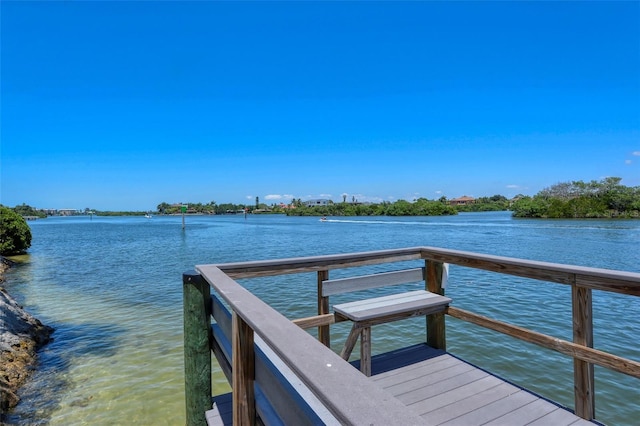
{"x": 21, "y": 336}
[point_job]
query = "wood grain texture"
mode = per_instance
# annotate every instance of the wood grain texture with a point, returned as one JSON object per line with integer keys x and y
{"x": 243, "y": 372}
{"x": 364, "y": 282}
{"x": 583, "y": 377}
{"x": 594, "y": 356}
{"x": 324, "y": 333}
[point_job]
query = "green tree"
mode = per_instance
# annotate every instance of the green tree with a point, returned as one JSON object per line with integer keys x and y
{"x": 26, "y": 210}
{"x": 15, "y": 234}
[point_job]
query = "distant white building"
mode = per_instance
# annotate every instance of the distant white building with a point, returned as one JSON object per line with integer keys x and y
{"x": 316, "y": 203}
{"x": 67, "y": 212}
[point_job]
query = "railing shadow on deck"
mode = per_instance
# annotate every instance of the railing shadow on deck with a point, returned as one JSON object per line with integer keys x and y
{"x": 334, "y": 383}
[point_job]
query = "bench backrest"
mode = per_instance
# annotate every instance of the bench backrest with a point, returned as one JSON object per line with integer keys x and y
{"x": 364, "y": 282}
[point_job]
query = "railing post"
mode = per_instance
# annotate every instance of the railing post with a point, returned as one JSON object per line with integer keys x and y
{"x": 583, "y": 379}
{"x": 324, "y": 333}
{"x": 197, "y": 349}
{"x": 436, "y": 337}
{"x": 243, "y": 372}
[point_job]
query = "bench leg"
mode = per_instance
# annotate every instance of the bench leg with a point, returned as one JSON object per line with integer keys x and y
{"x": 365, "y": 351}
{"x": 350, "y": 343}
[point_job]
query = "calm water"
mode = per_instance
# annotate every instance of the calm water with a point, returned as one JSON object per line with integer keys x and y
{"x": 112, "y": 289}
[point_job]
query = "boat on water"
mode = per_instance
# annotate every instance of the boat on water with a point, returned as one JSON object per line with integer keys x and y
{"x": 323, "y": 219}
{"x": 148, "y": 215}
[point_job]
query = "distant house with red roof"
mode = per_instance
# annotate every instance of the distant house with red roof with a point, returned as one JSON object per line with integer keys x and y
{"x": 462, "y": 201}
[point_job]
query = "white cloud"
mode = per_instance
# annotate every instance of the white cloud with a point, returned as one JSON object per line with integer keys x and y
{"x": 513, "y": 186}
{"x": 636, "y": 153}
{"x": 438, "y": 192}
{"x": 628, "y": 161}
{"x": 273, "y": 197}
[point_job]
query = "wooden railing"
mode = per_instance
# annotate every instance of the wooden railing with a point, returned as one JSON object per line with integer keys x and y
{"x": 250, "y": 315}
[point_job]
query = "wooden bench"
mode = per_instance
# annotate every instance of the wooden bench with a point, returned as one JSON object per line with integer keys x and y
{"x": 379, "y": 310}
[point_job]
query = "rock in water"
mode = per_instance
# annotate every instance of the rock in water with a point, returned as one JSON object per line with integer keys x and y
{"x": 21, "y": 335}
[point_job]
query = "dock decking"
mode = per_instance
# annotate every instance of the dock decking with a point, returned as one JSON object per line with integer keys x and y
{"x": 445, "y": 390}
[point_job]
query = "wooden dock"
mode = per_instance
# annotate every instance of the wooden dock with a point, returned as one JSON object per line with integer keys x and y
{"x": 280, "y": 374}
{"x": 444, "y": 390}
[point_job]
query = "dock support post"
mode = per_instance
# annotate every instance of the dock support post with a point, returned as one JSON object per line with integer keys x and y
{"x": 324, "y": 334}
{"x": 197, "y": 350}
{"x": 583, "y": 376}
{"x": 243, "y": 372}
{"x": 436, "y": 337}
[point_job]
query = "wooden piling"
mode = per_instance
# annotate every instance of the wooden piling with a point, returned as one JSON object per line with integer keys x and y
{"x": 324, "y": 334}
{"x": 583, "y": 335}
{"x": 436, "y": 337}
{"x": 197, "y": 352}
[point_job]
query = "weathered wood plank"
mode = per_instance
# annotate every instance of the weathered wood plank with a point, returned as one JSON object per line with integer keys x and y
{"x": 243, "y": 368}
{"x": 583, "y": 378}
{"x": 315, "y": 321}
{"x": 262, "y": 268}
{"x": 596, "y": 278}
{"x": 494, "y": 410}
{"x": 324, "y": 333}
{"x": 435, "y": 373}
{"x": 442, "y": 391}
{"x": 557, "y": 417}
{"x": 410, "y": 368}
{"x": 363, "y": 282}
{"x": 365, "y": 351}
{"x": 468, "y": 405}
{"x": 436, "y": 336}
{"x": 424, "y": 372}
{"x": 450, "y": 389}
{"x": 525, "y": 414}
{"x": 386, "y": 301}
{"x": 594, "y": 356}
{"x": 350, "y": 343}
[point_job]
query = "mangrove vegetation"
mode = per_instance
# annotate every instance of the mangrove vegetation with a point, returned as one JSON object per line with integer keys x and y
{"x": 606, "y": 198}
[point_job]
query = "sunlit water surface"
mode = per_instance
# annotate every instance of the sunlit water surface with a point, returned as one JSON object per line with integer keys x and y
{"x": 112, "y": 289}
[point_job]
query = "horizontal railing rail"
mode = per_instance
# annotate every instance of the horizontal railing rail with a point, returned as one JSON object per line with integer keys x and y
{"x": 253, "y": 316}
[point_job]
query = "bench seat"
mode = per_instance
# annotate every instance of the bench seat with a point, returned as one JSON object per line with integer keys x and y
{"x": 411, "y": 303}
{"x": 380, "y": 310}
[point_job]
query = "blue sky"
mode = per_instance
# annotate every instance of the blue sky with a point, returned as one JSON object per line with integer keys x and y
{"x": 123, "y": 105}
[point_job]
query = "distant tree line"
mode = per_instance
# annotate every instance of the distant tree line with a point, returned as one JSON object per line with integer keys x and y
{"x": 606, "y": 198}
{"x": 495, "y": 203}
{"x": 420, "y": 207}
{"x": 212, "y": 208}
{"x": 26, "y": 210}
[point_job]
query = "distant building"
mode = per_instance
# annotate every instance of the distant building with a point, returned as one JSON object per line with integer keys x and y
{"x": 316, "y": 203}
{"x": 462, "y": 201}
{"x": 67, "y": 212}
